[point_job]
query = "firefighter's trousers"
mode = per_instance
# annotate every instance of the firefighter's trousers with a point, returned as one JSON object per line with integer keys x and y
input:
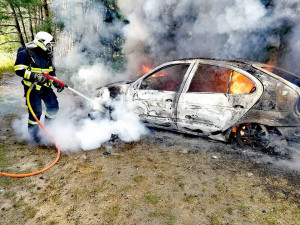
{"x": 50, "y": 100}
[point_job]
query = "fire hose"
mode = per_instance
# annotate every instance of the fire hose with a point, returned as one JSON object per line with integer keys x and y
{"x": 42, "y": 126}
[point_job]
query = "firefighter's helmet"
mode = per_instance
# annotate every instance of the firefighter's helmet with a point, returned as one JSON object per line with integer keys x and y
{"x": 45, "y": 41}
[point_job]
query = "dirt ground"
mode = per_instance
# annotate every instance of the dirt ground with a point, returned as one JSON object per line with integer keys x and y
{"x": 165, "y": 178}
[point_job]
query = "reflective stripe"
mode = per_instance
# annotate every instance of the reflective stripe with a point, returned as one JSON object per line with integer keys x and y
{"x": 20, "y": 67}
{"x": 28, "y": 83}
{"x": 41, "y": 46}
{"x": 48, "y": 84}
{"x": 50, "y": 116}
{"x": 32, "y": 122}
{"x": 40, "y": 70}
{"x": 27, "y": 74}
{"x": 33, "y": 69}
{"x": 38, "y": 87}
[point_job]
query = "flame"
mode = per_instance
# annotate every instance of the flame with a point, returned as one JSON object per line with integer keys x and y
{"x": 147, "y": 69}
{"x": 234, "y": 129}
{"x": 240, "y": 84}
{"x": 273, "y": 58}
{"x": 269, "y": 68}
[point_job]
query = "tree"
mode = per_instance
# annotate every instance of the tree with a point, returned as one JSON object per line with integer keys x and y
{"x": 17, "y": 25}
{"x": 20, "y": 19}
{"x": 45, "y": 8}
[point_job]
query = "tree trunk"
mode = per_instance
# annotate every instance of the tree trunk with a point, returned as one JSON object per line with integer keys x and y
{"x": 30, "y": 23}
{"x": 36, "y": 21}
{"x": 23, "y": 25}
{"x": 41, "y": 15}
{"x": 17, "y": 24}
{"x": 45, "y": 9}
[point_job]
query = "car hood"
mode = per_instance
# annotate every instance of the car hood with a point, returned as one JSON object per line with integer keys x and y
{"x": 117, "y": 88}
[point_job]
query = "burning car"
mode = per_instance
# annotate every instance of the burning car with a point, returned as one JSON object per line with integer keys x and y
{"x": 224, "y": 100}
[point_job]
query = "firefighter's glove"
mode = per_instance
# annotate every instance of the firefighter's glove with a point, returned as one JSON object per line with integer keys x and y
{"x": 58, "y": 87}
{"x": 40, "y": 78}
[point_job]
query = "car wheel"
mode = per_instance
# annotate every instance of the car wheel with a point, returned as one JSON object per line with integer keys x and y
{"x": 254, "y": 135}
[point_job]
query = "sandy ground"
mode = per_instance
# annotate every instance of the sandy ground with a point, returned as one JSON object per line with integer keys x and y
{"x": 165, "y": 178}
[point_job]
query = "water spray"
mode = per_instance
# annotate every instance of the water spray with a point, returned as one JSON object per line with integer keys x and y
{"x": 65, "y": 85}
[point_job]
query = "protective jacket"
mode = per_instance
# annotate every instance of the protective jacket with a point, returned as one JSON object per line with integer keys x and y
{"x": 32, "y": 61}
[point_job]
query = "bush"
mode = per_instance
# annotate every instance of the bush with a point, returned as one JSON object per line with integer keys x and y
{"x": 6, "y": 63}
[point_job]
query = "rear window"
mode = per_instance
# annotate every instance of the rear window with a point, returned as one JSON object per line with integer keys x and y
{"x": 293, "y": 78}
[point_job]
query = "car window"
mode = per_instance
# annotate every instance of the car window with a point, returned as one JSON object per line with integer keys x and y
{"x": 166, "y": 79}
{"x": 210, "y": 79}
{"x": 293, "y": 78}
{"x": 241, "y": 84}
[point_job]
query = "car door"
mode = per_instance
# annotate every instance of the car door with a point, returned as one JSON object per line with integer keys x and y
{"x": 153, "y": 96}
{"x": 214, "y": 98}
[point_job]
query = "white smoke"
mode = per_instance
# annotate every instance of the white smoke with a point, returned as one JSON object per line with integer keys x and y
{"x": 228, "y": 29}
{"x": 164, "y": 30}
{"x": 87, "y": 134}
{"x": 72, "y": 130}
{"x": 84, "y": 45}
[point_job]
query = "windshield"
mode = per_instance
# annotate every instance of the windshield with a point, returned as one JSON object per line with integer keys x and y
{"x": 293, "y": 78}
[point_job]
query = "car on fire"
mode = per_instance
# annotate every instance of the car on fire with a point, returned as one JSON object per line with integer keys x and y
{"x": 224, "y": 100}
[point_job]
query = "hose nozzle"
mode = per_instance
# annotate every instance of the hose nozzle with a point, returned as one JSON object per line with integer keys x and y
{"x": 55, "y": 79}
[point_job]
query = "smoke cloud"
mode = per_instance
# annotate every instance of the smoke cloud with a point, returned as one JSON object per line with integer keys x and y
{"x": 234, "y": 29}
{"x": 73, "y": 130}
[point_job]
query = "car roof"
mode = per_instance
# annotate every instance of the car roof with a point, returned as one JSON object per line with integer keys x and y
{"x": 246, "y": 64}
{"x": 239, "y": 61}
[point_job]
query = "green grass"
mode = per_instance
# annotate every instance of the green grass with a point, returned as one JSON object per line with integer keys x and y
{"x": 3, "y": 160}
{"x": 112, "y": 213}
{"x": 126, "y": 187}
{"x": 6, "y": 64}
{"x": 169, "y": 218}
{"x": 152, "y": 198}
{"x": 138, "y": 178}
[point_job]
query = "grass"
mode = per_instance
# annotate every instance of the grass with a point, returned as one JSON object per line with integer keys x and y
{"x": 152, "y": 198}
{"x": 138, "y": 178}
{"x": 160, "y": 175}
{"x": 6, "y": 64}
{"x": 215, "y": 220}
{"x": 112, "y": 213}
{"x": 4, "y": 161}
{"x": 141, "y": 196}
{"x": 126, "y": 187}
{"x": 170, "y": 219}
{"x": 181, "y": 185}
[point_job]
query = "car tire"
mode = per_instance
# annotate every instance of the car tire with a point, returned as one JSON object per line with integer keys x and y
{"x": 254, "y": 135}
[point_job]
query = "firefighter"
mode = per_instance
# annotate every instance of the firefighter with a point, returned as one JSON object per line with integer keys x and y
{"x": 32, "y": 61}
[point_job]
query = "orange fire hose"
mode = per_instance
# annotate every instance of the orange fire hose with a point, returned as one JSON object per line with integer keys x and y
{"x": 42, "y": 126}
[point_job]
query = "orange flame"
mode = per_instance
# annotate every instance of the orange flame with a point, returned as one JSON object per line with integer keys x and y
{"x": 240, "y": 84}
{"x": 147, "y": 69}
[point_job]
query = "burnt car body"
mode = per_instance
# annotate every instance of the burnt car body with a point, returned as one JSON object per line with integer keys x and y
{"x": 251, "y": 102}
